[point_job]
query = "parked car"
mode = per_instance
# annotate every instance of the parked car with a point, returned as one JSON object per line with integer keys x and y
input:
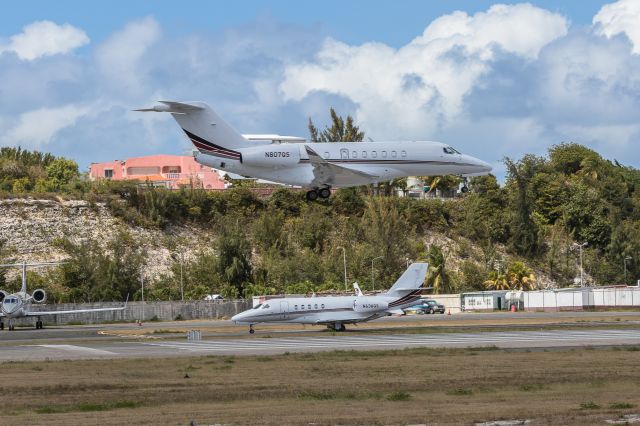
{"x": 213, "y": 297}
{"x": 426, "y": 307}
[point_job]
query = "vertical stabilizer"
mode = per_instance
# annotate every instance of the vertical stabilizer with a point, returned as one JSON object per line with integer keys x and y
{"x": 410, "y": 281}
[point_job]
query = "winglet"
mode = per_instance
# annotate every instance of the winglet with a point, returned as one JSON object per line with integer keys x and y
{"x": 356, "y": 287}
{"x": 125, "y": 302}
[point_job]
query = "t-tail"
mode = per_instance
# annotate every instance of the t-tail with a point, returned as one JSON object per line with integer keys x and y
{"x": 408, "y": 288}
{"x": 208, "y": 132}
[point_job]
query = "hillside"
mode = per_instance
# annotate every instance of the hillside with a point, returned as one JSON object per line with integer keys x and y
{"x": 518, "y": 235}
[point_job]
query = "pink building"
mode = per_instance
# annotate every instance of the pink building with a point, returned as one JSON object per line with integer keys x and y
{"x": 170, "y": 171}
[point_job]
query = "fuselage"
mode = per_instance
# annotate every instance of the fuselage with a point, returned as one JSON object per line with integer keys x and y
{"x": 15, "y": 305}
{"x": 289, "y": 163}
{"x": 322, "y": 310}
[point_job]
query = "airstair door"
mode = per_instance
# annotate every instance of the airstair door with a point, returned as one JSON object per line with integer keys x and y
{"x": 344, "y": 154}
{"x": 284, "y": 310}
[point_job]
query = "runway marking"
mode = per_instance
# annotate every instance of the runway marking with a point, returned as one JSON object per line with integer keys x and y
{"x": 72, "y": 348}
{"x": 432, "y": 340}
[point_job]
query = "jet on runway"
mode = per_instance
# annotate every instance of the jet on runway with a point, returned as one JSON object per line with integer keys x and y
{"x": 336, "y": 311}
{"x": 18, "y": 305}
{"x": 318, "y": 166}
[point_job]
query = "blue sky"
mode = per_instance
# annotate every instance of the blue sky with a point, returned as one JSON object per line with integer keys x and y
{"x": 493, "y": 80}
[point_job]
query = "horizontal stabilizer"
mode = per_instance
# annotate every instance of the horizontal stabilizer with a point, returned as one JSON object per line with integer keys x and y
{"x": 173, "y": 107}
{"x": 274, "y": 138}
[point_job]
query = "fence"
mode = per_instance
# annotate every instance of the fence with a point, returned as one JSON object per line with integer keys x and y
{"x": 144, "y": 311}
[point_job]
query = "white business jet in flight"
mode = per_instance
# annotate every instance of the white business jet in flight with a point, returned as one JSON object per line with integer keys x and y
{"x": 318, "y": 166}
{"x": 336, "y": 311}
{"x": 18, "y": 305}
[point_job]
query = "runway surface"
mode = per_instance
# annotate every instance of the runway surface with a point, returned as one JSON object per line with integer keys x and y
{"x": 276, "y": 345}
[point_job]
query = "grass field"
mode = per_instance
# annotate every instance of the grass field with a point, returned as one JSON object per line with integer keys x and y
{"x": 434, "y": 386}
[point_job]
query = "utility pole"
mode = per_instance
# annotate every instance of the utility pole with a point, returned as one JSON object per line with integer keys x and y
{"x": 373, "y": 285}
{"x": 344, "y": 257}
{"x": 181, "y": 257}
{"x": 581, "y": 268}
{"x": 625, "y": 268}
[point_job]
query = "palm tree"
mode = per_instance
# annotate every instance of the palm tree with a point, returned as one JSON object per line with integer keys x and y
{"x": 499, "y": 281}
{"x": 437, "y": 275}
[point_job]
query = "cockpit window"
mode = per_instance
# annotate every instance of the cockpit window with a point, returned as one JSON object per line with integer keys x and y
{"x": 450, "y": 150}
{"x": 257, "y": 306}
{"x": 266, "y": 306}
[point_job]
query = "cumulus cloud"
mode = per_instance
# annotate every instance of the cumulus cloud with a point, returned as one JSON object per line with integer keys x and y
{"x": 621, "y": 17}
{"x": 45, "y": 38}
{"x": 120, "y": 58}
{"x": 35, "y": 129}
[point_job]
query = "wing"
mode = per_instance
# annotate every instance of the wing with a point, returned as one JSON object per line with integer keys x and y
{"x": 74, "y": 311}
{"x": 326, "y": 173}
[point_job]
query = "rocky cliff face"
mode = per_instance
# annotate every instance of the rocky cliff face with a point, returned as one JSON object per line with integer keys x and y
{"x": 30, "y": 228}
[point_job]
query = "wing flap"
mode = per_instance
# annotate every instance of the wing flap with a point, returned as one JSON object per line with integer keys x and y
{"x": 326, "y": 173}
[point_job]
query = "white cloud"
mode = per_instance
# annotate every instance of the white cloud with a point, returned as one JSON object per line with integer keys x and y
{"x": 422, "y": 85}
{"x": 45, "y": 38}
{"x": 36, "y": 128}
{"x": 620, "y": 17}
{"x": 120, "y": 58}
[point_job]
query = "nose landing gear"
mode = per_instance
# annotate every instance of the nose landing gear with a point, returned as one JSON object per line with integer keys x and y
{"x": 251, "y": 330}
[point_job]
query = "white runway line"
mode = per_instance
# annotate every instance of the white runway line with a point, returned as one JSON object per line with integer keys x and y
{"x": 83, "y": 349}
{"x": 433, "y": 340}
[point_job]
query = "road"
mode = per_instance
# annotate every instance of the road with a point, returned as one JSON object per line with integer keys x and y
{"x": 224, "y": 338}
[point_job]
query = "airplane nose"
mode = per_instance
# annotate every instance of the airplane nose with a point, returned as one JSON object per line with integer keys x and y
{"x": 238, "y": 317}
{"x": 484, "y": 166}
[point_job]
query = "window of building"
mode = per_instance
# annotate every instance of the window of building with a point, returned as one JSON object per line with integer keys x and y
{"x": 108, "y": 173}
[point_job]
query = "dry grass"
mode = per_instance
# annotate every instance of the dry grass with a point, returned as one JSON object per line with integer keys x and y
{"x": 435, "y": 386}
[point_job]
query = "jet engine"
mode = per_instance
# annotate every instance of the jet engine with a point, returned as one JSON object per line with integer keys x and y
{"x": 39, "y": 296}
{"x": 275, "y": 155}
{"x": 3, "y": 294}
{"x": 369, "y": 304}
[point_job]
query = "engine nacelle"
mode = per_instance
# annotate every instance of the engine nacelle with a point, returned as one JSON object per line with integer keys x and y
{"x": 275, "y": 155}
{"x": 369, "y": 304}
{"x": 39, "y": 296}
{"x": 3, "y": 294}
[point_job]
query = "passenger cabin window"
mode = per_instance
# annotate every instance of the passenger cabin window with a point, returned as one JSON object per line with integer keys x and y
{"x": 302, "y": 307}
{"x": 384, "y": 154}
{"x": 374, "y": 154}
{"x": 322, "y": 306}
{"x": 364, "y": 154}
{"x": 403, "y": 153}
{"x": 394, "y": 154}
{"x": 295, "y": 307}
{"x": 315, "y": 306}
{"x": 354, "y": 154}
{"x": 309, "y": 306}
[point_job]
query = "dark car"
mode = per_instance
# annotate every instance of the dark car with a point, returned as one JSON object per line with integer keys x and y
{"x": 426, "y": 307}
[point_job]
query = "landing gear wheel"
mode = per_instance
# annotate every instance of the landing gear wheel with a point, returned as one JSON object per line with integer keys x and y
{"x": 312, "y": 195}
{"x": 11, "y": 327}
{"x": 1, "y": 326}
{"x": 251, "y": 330}
{"x": 324, "y": 192}
{"x": 465, "y": 189}
{"x": 38, "y": 325}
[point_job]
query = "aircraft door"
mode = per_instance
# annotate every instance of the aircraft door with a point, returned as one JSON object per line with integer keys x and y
{"x": 344, "y": 154}
{"x": 284, "y": 310}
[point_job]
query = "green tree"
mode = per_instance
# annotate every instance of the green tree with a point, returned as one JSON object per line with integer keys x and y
{"x": 341, "y": 130}
{"x": 234, "y": 255}
{"x": 437, "y": 276}
{"x": 61, "y": 171}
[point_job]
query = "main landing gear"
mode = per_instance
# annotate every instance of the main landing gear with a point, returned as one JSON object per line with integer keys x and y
{"x": 338, "y": 326}
{"x": 39, "y": 324}
{"x": 251, "y": 330}
{"x": 11, "y": 325}
{"x": 324, "y": 192}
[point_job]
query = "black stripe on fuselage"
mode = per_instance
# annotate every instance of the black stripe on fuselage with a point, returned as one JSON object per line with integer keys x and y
{"x": 403, "y": 300}
{"x": 371, "y": 162}
{"x": 211, "y": 148}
